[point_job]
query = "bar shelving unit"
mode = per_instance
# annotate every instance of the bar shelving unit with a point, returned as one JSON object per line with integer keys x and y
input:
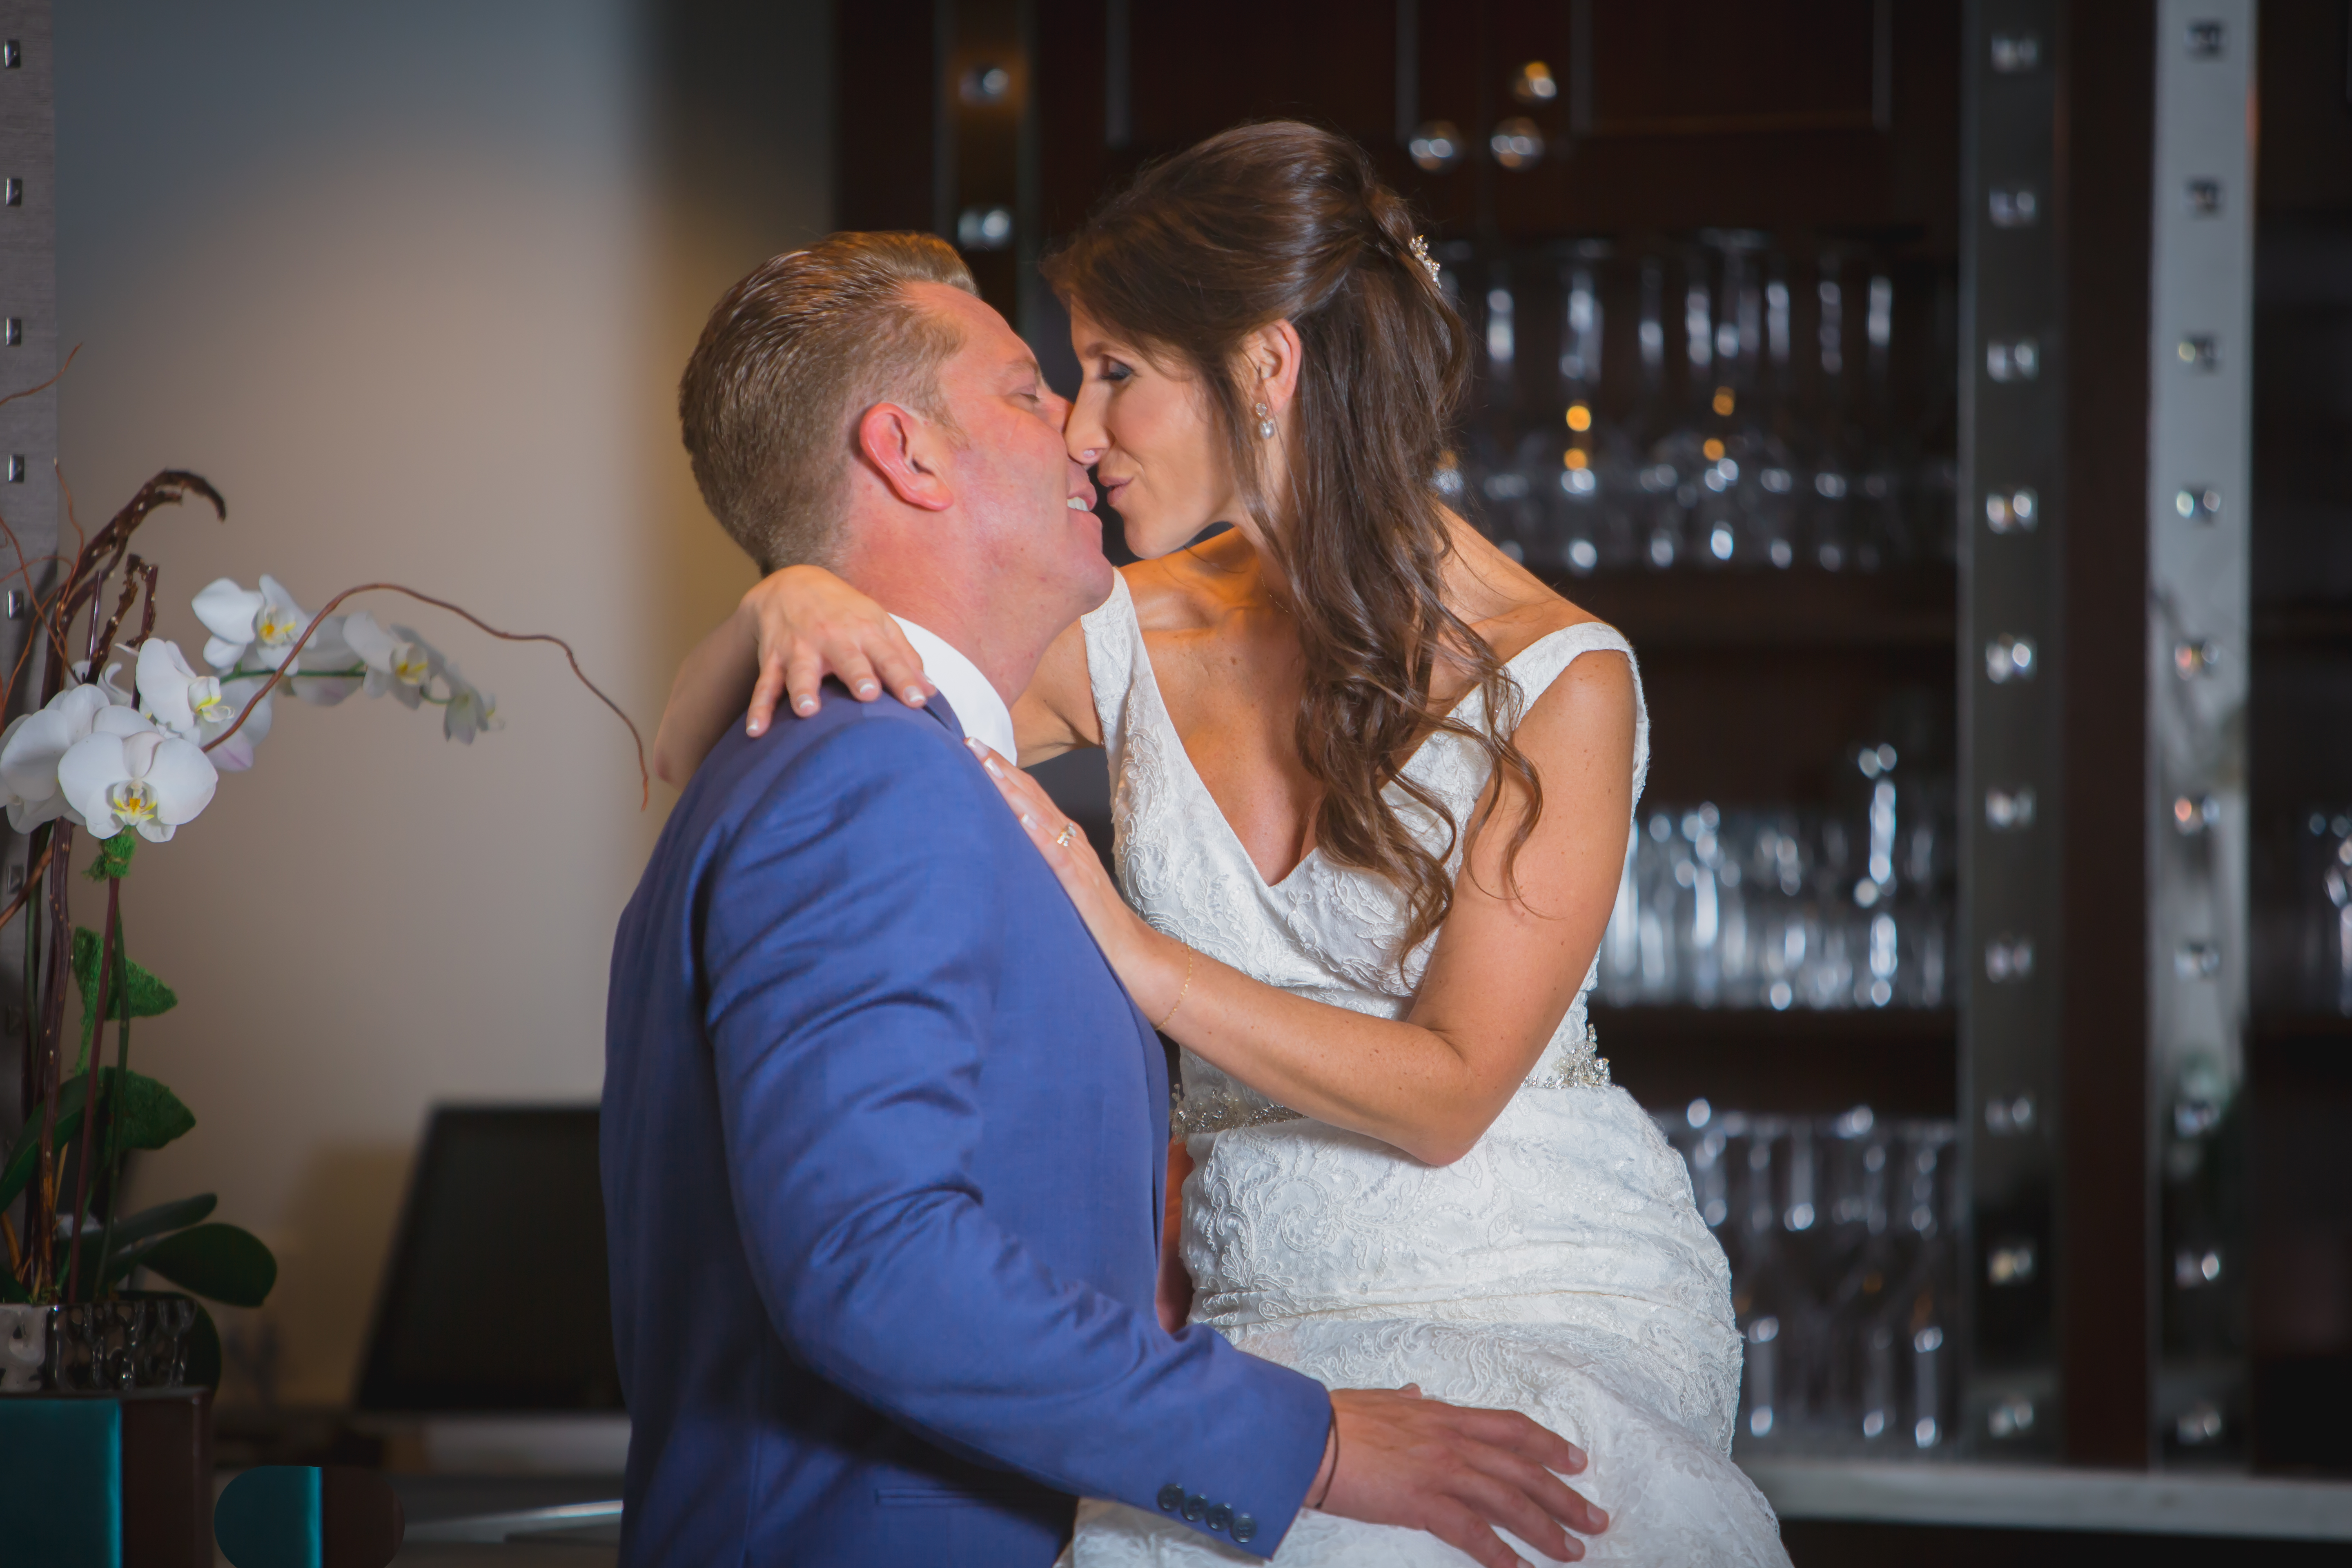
{"x": 2007, "y": 154}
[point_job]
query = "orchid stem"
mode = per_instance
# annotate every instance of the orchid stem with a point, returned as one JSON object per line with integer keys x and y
{"x": 644, "y": 775}
{"x": 31, "y": 1076}
{"x": 93, "y": 1091}
{"x": 355, "y": 673}
{"x": 360, "y": 673}
{"x": 123, "y": 1088}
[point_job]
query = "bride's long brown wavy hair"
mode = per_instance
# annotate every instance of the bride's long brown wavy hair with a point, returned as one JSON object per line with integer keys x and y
{"x": 1284, "y": 221}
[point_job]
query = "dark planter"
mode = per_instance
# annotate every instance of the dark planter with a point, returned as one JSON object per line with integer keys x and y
{"x": 109, "y": 1481}
{"x": 138, "y": 1339}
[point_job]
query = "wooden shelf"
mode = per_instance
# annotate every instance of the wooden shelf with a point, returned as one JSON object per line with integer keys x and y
{"x": 2323, "y": 623}
{"x": 2303, "y": 1056}
{"x": 2304, "y": 1027}
{"x": 1897, "y": 1061}
{"x": 1738, "y": 612}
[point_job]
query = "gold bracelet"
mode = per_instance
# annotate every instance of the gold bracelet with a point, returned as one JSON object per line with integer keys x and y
{"x": 1181, "y": 990}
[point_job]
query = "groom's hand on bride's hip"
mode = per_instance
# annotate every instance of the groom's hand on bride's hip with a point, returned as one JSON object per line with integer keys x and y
{"x": 1456, "y": 1472}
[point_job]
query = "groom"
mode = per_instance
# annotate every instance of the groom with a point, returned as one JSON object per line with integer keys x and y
{"x": 882, "y": 1132}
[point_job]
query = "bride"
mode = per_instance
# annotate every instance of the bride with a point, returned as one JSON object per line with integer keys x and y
{"x": 1372, "y": 784}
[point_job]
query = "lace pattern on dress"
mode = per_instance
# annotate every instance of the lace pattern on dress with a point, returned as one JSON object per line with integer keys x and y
{"x": 1560, "y": 1268}
{"x": 1336, "y": 931}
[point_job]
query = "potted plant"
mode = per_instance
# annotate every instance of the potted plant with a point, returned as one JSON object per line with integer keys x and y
{"x": 122, "y": 764}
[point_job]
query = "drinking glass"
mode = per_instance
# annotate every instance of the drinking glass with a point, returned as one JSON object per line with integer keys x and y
{"x": 2332, "y": 911}
{"x": 1841, "y": 1233}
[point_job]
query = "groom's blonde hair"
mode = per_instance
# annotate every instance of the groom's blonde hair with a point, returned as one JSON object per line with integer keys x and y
{"x": 789, "y": 361}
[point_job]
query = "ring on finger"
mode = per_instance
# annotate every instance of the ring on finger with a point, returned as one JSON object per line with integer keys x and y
{"x": 1069, "y": 832}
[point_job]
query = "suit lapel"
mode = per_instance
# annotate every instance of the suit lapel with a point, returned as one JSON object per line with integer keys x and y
{"x": 940, "y": 708}
{"x": 1155, "y": 1057}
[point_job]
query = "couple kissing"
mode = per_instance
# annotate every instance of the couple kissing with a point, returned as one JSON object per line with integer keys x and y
{"x": 915, "y": 1257}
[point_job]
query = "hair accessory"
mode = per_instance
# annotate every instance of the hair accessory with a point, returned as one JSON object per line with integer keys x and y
{"x": 1420, "y": 248}
{"x": 1265, "y": 422}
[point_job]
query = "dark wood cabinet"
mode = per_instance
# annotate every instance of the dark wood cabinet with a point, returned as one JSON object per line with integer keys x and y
{"x": 2300, "y": 732}
{"x": 1642, "y": 143}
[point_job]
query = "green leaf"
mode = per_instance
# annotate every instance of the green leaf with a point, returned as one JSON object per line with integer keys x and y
{"x": 153, "y": 1117}
{"x": 132, "y": 1230}
{"x": 126, "y": 1260}
{"x": 178, "y": 1214}
{"x": 221, "y": 1261}
{"x": 148, "y": 996}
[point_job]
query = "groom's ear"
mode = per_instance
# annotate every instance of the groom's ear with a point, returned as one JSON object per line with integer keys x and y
{"x": 902, "y": 450}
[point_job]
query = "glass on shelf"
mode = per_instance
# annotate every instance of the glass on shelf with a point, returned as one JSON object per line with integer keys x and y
{"x": 1784, "y": 908}
{"x": 1784, "y": 406}
{"x": 1843, "y": 1247}
{"x": 1589, "y": 481}
{"x": 2317, "y": 913}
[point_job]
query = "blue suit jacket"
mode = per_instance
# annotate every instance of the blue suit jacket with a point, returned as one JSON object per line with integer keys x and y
{"x": 883, "y": 1165}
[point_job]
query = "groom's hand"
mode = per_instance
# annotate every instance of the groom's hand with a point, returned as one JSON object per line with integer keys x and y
{"x": 1457, "y": 1473}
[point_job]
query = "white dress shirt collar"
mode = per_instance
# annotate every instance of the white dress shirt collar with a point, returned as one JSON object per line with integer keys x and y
{"x": 982, "y": 712}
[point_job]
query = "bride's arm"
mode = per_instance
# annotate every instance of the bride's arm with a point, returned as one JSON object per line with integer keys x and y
{"x": 1503, "y": 971}
{"x": 795, "y": 627}
{"x": 798, "y": 626}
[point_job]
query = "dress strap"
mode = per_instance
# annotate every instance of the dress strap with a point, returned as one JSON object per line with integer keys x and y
{"x": 1535, "y": 666}
{"x": 1115, "y": 655}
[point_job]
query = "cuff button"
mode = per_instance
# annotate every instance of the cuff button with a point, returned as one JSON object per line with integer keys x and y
{"x": 1171, "y": 1498}
{"x": 1195, "y": 1506}
{"x": 1220, "y": 1519}
{"x": 1245, "y": 1529}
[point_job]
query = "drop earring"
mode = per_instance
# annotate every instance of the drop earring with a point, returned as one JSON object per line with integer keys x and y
{"x": 1265, "y": 422}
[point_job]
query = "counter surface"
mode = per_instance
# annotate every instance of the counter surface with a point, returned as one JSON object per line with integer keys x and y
{"x": 2025, "y": 1497}
{"x": 585, "y": 1529}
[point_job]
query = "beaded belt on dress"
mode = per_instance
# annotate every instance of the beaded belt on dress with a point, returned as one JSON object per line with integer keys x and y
{"x": 1222, "y": 1109}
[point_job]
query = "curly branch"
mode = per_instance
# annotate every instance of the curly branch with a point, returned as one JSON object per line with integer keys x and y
{"x": 282, "y": 672}
{"x": 44, "y": 386}
{"x": 32, "y": 881}
{"x": 38, "y": 611}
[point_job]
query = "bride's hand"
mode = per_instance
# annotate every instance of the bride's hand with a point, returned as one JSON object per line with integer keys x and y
{"x": 808, "y": 624}
{"x": 1147, "y": 963}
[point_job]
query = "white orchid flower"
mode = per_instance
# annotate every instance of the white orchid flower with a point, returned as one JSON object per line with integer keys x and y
{"x": 407, "y": 667}
{"x": 470, "y": 710}
{"x": 321, "y": 691}
{"x": 235, "y": 755}
{"x": 259, "y": 629}
{"x": 35, "y": 744}
{"x": 239, "y": 618}
{"x": 175, "y": 696}
{"x": 398, "y": 661}
{"x": 201, "y": 708}
{"x": 106, "y": 682}
{"x": 142, "y": 779}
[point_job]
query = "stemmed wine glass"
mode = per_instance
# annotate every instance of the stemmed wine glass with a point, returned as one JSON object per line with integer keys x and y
{"x": 1756, "y": 469}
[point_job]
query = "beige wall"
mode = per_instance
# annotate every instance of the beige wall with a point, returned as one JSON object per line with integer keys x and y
{"x": 411, "y": 283}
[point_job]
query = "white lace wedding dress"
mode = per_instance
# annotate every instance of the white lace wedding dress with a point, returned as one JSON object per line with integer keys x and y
{"x": 1560, "y": 1269}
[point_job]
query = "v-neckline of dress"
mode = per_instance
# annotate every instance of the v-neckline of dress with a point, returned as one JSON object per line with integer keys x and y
{"x": 1192, "y": 772}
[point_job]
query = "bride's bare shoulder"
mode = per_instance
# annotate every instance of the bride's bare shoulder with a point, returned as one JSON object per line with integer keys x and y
{"x": 1505, "y": 602}
{"x": 1186, "y": 591}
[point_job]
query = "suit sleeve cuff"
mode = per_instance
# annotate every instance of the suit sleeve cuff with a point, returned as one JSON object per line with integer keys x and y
{"x": 1252, "y": 1495}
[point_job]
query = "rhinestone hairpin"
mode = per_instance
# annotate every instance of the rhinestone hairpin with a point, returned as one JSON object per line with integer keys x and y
{"x": 1420, "y": 248}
